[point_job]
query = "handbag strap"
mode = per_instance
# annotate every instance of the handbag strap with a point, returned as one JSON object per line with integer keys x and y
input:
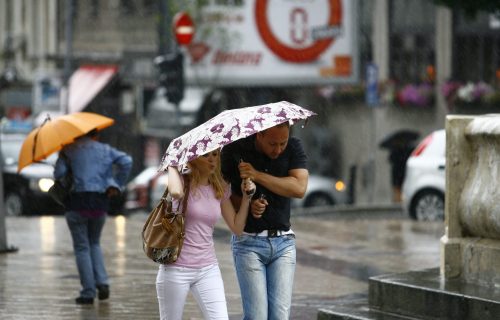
{"x": 187, "y": 187}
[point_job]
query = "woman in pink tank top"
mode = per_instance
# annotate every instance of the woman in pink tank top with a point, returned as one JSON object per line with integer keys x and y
{"x": 196, "y": 269}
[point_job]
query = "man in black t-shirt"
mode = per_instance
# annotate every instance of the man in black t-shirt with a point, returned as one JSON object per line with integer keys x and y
{"x": 265, "y": 255}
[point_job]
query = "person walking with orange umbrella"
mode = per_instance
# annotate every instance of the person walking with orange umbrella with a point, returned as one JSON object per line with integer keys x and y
{"x": 99, "y": 171}
{"x": 54, "y": 134}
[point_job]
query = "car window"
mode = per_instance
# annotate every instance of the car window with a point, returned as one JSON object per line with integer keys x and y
{"x": 10, "y": 151}
{"x": 12, "y": 147}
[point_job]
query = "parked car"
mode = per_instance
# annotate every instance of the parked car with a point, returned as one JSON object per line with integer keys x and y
{"x": 25, "y": 193}
{"x": 321, "y": 191}
{"x": 138, "y": 193}
{"x": 157, "y": 189}
{"x": 424, "y": 184}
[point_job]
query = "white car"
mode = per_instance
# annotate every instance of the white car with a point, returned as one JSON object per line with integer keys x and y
{"x": 321, "y": 191}
{"x": 157, "y": 190}
{"x": 424, "y": 184}
{"x": 139, "y": 189}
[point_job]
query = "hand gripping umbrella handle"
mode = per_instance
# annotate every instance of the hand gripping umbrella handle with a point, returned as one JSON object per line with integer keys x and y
{"x": 249, "y": 192}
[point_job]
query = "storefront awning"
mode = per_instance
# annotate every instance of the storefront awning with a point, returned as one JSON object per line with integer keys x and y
{"x": 86, "y": 82}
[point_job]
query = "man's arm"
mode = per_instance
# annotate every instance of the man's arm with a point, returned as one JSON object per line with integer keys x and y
{"x": 294, "y": 185}
{"x": 124, "y": 165}
{"x": 61, "y": 166}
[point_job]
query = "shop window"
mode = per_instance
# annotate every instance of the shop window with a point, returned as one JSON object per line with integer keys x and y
{"x": 411, "y": 55}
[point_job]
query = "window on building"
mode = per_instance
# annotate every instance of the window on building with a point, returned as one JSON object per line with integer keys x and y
{"x": 476, "y": 49}
{"x": 412, "y": 30}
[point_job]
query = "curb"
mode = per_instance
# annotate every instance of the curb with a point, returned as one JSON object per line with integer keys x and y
{"x": 393, "y": 209}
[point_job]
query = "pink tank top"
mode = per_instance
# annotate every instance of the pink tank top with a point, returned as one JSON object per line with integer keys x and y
{"x": 203, "y": 212}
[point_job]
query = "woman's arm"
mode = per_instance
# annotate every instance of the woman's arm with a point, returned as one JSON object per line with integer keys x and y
{"x": 175, "y": 185}
{"x": 236, "y": 220}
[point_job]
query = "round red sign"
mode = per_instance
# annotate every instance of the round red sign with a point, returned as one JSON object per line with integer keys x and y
{"x": 183, "y": 28}
{"x": 289, "y": 53}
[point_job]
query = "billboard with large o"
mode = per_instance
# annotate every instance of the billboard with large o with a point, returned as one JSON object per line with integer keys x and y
{"x": 278, "y": 42}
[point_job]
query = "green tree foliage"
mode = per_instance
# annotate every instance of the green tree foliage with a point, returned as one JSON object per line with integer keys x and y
{"x": 471, "y": 7}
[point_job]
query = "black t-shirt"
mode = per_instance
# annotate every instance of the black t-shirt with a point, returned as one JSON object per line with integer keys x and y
{"x": 277, "y": 214}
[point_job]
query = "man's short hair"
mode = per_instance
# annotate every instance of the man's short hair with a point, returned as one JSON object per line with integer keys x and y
{"x": 283, "y": 124}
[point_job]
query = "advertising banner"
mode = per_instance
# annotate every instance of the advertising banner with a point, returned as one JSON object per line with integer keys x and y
{"x": 279, "y": 42}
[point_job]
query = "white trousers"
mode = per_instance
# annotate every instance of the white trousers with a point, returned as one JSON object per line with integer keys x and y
{"x": 173, "y": 284}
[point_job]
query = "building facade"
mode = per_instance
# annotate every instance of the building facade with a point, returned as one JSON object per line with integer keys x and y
{"x": 418, "y": 49}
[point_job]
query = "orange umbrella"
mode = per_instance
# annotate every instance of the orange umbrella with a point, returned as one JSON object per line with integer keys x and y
{"x": 52, "y": 135}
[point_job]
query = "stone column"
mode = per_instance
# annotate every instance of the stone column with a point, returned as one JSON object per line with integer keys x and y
{"x": 471, "y": 244}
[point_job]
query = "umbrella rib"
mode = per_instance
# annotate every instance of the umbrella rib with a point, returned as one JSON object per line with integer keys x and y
{"x": 35, "y": 139}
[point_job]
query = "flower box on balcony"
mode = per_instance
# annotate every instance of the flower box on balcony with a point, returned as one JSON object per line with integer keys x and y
{"x": 473, "y": 98}
{"x": 415, "y": 95}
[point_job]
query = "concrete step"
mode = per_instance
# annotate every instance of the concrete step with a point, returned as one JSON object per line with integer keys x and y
{"x": 356, "y": 309}
{"x": 425, "y": 295}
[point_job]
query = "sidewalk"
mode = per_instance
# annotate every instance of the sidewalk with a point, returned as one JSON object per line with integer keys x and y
{"x": 335, "y": 257}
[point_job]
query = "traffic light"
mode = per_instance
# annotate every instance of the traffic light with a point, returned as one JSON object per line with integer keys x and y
{"x": 171, "y": 75}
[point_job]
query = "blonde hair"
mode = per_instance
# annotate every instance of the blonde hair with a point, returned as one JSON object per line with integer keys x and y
{"x": 215, "y": 180}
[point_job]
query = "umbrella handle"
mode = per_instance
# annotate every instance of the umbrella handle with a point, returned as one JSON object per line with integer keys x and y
{"x": 250, "y": 192}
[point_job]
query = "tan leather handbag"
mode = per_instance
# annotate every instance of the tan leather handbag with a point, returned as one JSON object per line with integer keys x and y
{"x": 163, "y": 233}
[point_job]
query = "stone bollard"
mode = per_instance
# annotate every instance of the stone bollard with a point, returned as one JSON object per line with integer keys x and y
{"x": 471, "y": 244}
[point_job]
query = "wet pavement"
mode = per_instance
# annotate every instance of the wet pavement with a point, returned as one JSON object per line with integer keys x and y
{"x": 336, "y": 254}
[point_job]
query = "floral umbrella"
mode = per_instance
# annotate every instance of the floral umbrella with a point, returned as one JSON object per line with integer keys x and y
{"x": 229, "y": 126}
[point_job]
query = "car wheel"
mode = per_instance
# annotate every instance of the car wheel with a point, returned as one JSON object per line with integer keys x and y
{"x": 428, "y": 206}
{"x": 14, "y": 204}
{"x": 318, "y": 199}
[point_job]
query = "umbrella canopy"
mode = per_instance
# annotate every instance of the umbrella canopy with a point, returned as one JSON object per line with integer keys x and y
{"x": 229, "y": 126}
{"x": 398, "y": 138}
{"x": 52, "y": 135}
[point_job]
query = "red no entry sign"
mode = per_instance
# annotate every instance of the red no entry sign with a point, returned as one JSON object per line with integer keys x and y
{"x": 183, "y": 28}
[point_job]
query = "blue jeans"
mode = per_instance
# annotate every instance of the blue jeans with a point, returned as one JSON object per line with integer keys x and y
{"x": 86, "y": 234}
{"x": 265, "y": 269}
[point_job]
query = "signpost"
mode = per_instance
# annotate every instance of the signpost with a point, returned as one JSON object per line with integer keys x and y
{"x": 170, "y": 63}
{"x": 371, "y": 96}
{"x": 171, "y": 75}
{"x": 371, "y": 85}
{"x": 183, "y": 28}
